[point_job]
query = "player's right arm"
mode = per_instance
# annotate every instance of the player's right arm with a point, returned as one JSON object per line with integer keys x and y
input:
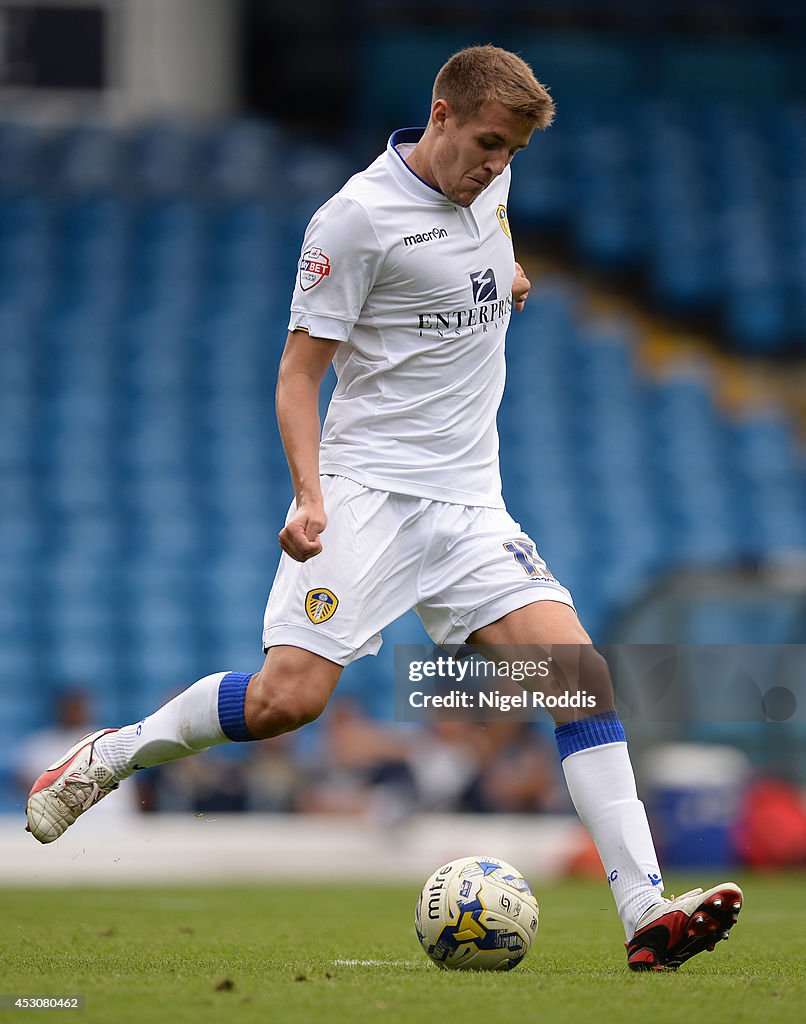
{"x": 303, "y": 365}
{"x": 339, "y": 263}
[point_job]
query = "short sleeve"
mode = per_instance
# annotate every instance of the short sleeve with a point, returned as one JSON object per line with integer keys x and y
{"x": 340, "y": 260}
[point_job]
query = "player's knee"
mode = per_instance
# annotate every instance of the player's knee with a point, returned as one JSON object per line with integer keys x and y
{"x": 595, "y": 676}
{"x": 579, "y": 668}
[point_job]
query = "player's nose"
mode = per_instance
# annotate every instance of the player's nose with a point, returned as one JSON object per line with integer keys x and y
{"x": 494, "y": 165}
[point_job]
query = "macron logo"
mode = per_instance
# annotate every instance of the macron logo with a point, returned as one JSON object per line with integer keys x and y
{"x": 426, "y": 236}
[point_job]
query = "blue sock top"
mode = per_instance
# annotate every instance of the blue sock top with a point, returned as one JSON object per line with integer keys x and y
{"x": 231, "y": 705}
{"x": 589, "y": 732}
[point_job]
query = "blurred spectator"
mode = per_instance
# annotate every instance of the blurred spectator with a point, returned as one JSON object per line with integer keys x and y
{"x": 361, "y": 767}
{"x": 519, "y": 772}
{"x": 212, "y": 784}
{"x": 388, "y": 771}
{"x": 495, "y": 767}
{"x": 446, "y": 762}
{"x": 273, "y": 774}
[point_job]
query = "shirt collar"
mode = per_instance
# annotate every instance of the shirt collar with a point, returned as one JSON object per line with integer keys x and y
{"x": 409, "y": 179}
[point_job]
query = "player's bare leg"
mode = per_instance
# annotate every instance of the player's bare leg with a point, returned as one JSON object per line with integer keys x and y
{"x": 554, "y": 628}
{"x": 291, "y": 689}
{"x": 661, "y": 934}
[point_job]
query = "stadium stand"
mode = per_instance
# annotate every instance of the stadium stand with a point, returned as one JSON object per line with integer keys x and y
{"x": 706, "y": 202}
{"x": 144, "y": 280}
{"x": 678, "y": 156}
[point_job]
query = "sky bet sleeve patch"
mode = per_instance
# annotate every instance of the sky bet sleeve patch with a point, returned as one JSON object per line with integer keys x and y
{"x": 314, "y": 267}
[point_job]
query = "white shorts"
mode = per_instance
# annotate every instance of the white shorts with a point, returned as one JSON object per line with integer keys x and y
{"x": 459, "y": 567}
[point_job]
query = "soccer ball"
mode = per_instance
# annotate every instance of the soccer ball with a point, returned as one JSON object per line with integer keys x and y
{"x": 478, "y": 914}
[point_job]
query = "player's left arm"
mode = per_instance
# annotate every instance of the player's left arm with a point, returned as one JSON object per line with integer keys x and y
{"x": 521, "y": 287}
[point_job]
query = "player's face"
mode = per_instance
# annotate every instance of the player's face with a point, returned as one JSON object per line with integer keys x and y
{"x": 467, "y": 157}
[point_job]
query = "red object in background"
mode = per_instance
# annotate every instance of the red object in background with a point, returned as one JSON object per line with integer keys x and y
{"x": 584, "y": 860}
{"x": 771, "y": 829}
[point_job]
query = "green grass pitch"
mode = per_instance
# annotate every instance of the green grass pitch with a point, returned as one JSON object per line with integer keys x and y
{"x": 303, "y": 952}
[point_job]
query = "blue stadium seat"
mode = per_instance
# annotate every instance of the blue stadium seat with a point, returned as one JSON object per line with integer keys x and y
{"x": 20, "y": 157}
{"x": 240, "y": 159}
{"x": 705, "y": 200}
{"x": 85, "y": 159}
{"x": 161, "y": 159}
{"x": 144, "y": 282}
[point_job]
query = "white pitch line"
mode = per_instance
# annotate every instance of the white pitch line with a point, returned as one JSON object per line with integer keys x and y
{"x": 374, "y": 963}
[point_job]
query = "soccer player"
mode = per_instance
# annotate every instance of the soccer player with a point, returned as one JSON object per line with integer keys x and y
{"x": 406, "y": 284}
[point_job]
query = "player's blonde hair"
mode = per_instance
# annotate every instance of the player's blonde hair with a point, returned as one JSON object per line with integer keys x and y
{"x": 481, "y": 74}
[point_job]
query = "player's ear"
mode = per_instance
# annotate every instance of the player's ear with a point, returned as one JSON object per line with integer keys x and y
{"x": 439, "y": 114}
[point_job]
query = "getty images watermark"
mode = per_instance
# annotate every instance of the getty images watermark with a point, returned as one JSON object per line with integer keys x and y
{"x": 705, "y": 683}
{"x": 484, "y": 684}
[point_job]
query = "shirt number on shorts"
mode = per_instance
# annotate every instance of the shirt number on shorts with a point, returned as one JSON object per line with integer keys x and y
{"x": 525, "y": 554}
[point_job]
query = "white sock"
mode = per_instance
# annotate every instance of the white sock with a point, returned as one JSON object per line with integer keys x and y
{"x": 602, "y": 786}
{"x": 186, "y": 725}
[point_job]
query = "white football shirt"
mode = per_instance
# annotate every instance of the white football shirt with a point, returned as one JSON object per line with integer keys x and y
{"x": 418, "y": 290}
